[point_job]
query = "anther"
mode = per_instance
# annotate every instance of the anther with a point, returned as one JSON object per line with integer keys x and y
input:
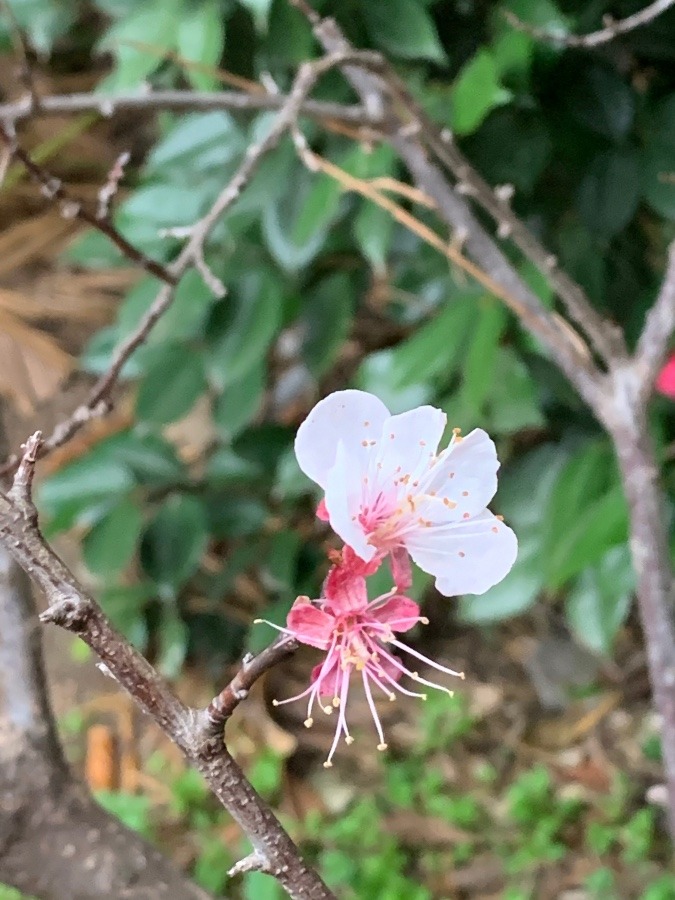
{"x": 308, "y": 722}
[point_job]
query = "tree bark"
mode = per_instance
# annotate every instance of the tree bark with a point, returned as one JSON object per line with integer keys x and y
{"x": 56, "y": 843}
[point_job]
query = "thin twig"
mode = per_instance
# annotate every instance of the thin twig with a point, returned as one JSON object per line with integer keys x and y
{"x": 26, "y": 74}
{"x": 71, "y": 207}
{"x": 223, "y": 704}
{"x": 180, "y": 101}
{"x": 613, "y": 27}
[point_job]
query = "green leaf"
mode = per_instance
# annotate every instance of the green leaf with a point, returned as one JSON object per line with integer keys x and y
{"x": 603, "y": 524}
{"x": 239, "y": 402}
{"x": 513, "y": 401}
{"x": 174, "y": 542}
{"x": 514, "y": 595}
{"x": 610, "y": 191}
{"x": 659, "y": 179}
{"x": 183, "y": 320}
{"x": 512, "y": 146}
{"x": 260, "y": 9}
{"x": 602, "y": 101}
{"x": 172, "y": 383}
{"x": 125, "y": 606}
{"x": 110, "y": 545}
{"x": 377, "y": 374}
{"x": 403, "y": 28}
{"x": 280, "y": 217}
{"x": 373, "y": 231}
{"x": 325, "y": 321}
{"x": 172, "y": 636}
{"x": 242, "y": 327}
{"x": 83, "y": 486}
{"x": 155, "y": 23}
{"x": 151, "y": 459}
{"x": 599, "y": 603}
{"x": 437, "y": 348}
{"x": 233, "y": 517}
{"x": 479, "y": 368}
{"x": 201, "y": 35}
{"x": 225, "y": 466}
{"x": 200, "y": 141}
{"x": 476, "y": 92}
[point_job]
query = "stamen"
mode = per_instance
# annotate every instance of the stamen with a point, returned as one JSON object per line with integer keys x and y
{"x": 373, "y": 711}
{"x": 425, "y": 659}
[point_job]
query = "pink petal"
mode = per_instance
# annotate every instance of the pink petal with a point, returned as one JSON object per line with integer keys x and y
{"x": 345, "y": 489}
{"x": 410, "y": 439}
{"x": 322, "y": 512}
{"x": 665, "y": 382}
{"x": 354, "y": 418}
{"x": 344, "y": 591}
{"x": 329, "y": 682}
{"x": 467, "y": 557}
{"x": 399, "y": 612}
{"x": 465, "y": 476}
{"x": 401, "y": 569}
{"x": 310, "y": 625}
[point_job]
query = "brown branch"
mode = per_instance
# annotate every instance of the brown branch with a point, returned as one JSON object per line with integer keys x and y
{"x": 71, "y": 607}
{"x": 73, "y": 208}
{"x": 179, "y": 101}
{"x": 98, "y": 402}
{"x": 658, "y": 329}
{"x": 566, "y": 346}
{"x": 223, "y": 704}
{"x": 613, "y": 27}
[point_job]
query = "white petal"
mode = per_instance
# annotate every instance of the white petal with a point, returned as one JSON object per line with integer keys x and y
{"x": 466, "y": 557}
{"x": 353, "y": 417}
{"x": 343, "y": 502}
{"x": 410, "y": 440}
{"x": 465, "y": 476}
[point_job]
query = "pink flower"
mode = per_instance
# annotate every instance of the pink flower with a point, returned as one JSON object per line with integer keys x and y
{"x": 356, "y": 637}
{"x": 665, "y": 382}
{"x": 389, "y": 491}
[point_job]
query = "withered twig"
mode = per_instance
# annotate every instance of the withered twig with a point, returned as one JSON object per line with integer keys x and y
{"x": 613, "y": 27}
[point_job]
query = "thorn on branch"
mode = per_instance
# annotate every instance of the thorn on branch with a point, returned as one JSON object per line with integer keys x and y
{"x": 111, "y": 186}
{"x": 254, "y": 862}
{"x": 70, "y": 613}
{"x": 21, "y": 492}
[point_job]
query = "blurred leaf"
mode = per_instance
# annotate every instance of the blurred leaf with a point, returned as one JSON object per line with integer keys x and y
{"x": 373, "y": 229}
{"x": 325, "y": 320}
{"x": 134, "y": 811}
{"x": 280, "y": 218}
{"x": 599, "y": 601}
{"x": 82, "y": 484}
{"x": 603, "y": 524}
{"x": 513, "y": 400}
{"x": 477, "y": 91}
{"x": 202, "y": 140}
{"x": 233, "y": 517}
{"x": 377, "y": 374}
{"x": 125, "y": 607}
{"x": 291, "y": 482}
{"x": 259, "y": 887}
{"x": 226, "y": 466}
{"x": 437, "y": 347}
{"x": 151, "y": 459}
{"x": 185, "y": 317}
{"x": 172, "y": 636}
{"x": 201, "y": 35}
{"x": 602, "y": 101}
{"x": 174, "y": 541}
{"x": 512, "y": 146}
{"x": 403, "y": 28}
{"x": 659, "y": 179}
{"x": 478, "y": 370}
{"x": 610, "y": 191}
{"x": 110, "y": 545}
{"x": 281, "y": 560}
{"x": 239, "y": 402}
{"x": 172, "y": 383}
{"x": 242, "y": 327}
{"x": 156, "y": 22}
